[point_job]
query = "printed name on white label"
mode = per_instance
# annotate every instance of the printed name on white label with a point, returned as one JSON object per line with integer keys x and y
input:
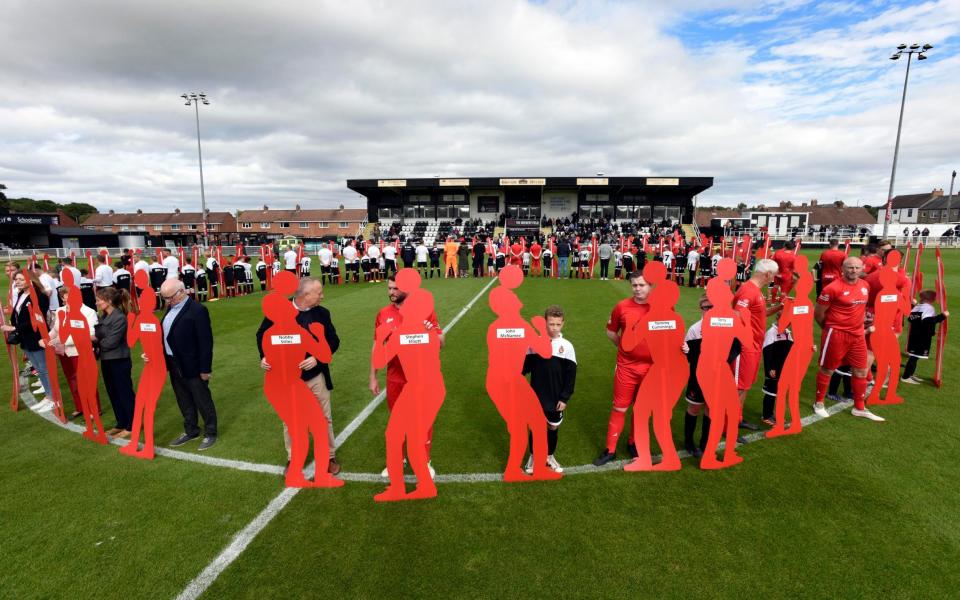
{"x": 78, "y": 323}
{"x": 661, "y": 325}
{"x": 888, "y": 298}
{"x": 148, "y": 327}
{"x": 721, "y": 321}
{"x": 285, "y": 340}
{"x": 511, "y": 333}
{"x": 801, "y": 310}
{"x": 412, "y": 339}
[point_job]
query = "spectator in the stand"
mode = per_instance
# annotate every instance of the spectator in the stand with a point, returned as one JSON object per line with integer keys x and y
{"x": 925, "y": 233}
{"x": 563, "y": 256}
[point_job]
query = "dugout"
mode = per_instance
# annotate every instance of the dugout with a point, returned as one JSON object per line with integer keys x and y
{"x": 530, "y": 198}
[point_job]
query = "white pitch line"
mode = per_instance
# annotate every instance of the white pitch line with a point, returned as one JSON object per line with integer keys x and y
{"x": 240, "y": 542}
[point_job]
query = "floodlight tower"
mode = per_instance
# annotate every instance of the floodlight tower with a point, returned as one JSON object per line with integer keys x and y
{"x": 196, "y": 99}
{"x": 902, "y": 49}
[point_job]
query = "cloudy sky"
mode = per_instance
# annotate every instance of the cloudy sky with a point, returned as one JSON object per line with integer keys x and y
{"x": 775, "y": 99}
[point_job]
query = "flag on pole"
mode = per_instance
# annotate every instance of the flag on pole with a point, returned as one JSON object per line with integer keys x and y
{"x": 797, "y": 249}
{"x": 905, "y": 259}
{"x": 846, "y": 248}
{"x": 916, "y": 279}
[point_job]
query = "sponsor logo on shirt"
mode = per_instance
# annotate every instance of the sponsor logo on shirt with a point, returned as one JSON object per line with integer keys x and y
{"x": 414, "y": 339}
{"x": 511, "y": 333}
{"x": 285, "y": 340}
{"x": 149, "y": 327}
{"x": 721, "y": 322}
{"x": 801, "y": 310}
{"x": 661, "y": 325}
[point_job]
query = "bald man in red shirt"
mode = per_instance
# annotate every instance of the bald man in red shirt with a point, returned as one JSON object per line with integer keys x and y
{"x": 841, "y": 312}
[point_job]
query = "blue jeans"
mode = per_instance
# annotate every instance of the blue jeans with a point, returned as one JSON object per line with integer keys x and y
{"x": 38, "y": 359}
{"x": 562, "y": 265}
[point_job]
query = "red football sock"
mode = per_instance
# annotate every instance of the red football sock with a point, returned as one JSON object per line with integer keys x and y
{"x": 823, "y": 382}
{"x": 614, "y": 427}
{"x": 859, "y": 385}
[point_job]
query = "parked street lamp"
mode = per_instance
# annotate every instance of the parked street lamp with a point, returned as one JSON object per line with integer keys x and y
{"x": 901, "y": 50}
{"x": 196, "y": 99}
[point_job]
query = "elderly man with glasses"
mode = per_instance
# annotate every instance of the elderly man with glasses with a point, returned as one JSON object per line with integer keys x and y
{"x": 188, "y": 347}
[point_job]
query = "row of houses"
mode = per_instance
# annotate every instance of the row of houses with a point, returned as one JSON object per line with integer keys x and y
{"x": 931, "y": 207}
{"x": 786, "y": 218}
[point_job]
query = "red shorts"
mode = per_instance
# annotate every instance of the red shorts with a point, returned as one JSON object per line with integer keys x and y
{"x": 748, "y": 365}
{"x": 626, "y": 382}
{"x": 394, "y": 387}
{"x": 842, "y": 348}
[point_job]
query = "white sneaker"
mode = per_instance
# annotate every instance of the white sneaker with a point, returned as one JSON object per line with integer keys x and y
{"x": 385, "y": 474}
{"x": 37, "y": 385}
{"x": 909, "y": 380}
{"x": 45, "y": 405}
{"x": 819, "y": 409}
{"x": 528, "y": 469}
{"x": 40, "y": 391}
{"x": 866, "y": 414}
{"x": 915, "y": 379}
{"x": 553, "y": 464}
{"x": 433, "y": 472}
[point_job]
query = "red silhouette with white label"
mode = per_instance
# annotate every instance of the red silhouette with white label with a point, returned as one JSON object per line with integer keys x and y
{"x": 662, "y": 329}
{"x": 285, "y": 345}
{"x": 417, "y": 346}
{"x": 508, "y": 338}
{"x": 74, "y": 324}
{"x": 145, "y": 328}
{"x": 798, "y": 316}
{"x": 721, "y": 325}
{"x": 889, "y": 306}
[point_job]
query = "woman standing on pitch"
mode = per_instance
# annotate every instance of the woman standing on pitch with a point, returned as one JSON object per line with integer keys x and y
{"x": 21, "y": 331}
{"x": 115, "y": 362}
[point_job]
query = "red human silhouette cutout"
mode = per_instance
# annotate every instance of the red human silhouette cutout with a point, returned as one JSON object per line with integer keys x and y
{"x": 662, "y": 329}
{"x": 888, "y": 306}
{"x": 74, "y": 324}
{"x": 508, "y": 338}
{"x": 285, "y": 345}
{"x": 721, "y": 325}
{"x": 145, "y": 328}
{"x": 798, "y": 316}
{"x": 39, "y": 324}
{"x": 417, "y": 347}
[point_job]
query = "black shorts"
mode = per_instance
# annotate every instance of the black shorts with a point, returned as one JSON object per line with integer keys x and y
{"x": 354, "y": 266}
{"x": 421, "y": 265}
{"x": 694, "y": 396}
{"x": 435, "y": 263}
{"x": 554, "y": 417}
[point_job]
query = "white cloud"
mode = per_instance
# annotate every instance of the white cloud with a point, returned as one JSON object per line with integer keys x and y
{"x": 305, "y": 95}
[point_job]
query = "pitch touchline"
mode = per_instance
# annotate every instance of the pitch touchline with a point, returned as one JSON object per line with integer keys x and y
{"x": 240, "y": 542}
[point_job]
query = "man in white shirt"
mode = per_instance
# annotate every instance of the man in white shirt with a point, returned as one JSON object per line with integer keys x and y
{"x": 693, "y": 265}
{"x": 326, "y": 258}
{"x": 290, "y": 260}
{"x": 389, "y": 260}
{"x": 50, "y": 286}
{"x": 140, "y": 265}
{"x": 68, "y": 265}
{"x": 103, "y": 276}
{"x": 351, "y": 264}
{"x": 171, "y": 264}
{"x": 373, "y": 253}
{"x": 667, "y": 258}
{"x": 423, "y": 253}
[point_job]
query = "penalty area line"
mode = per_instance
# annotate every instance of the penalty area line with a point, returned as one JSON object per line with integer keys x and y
{"x": 205, "y": 579}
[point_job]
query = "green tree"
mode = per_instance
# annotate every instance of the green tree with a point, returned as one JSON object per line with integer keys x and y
{"x": 79, "y": 210}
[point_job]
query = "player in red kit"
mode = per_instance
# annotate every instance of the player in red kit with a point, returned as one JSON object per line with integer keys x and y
{"x": 831, "y": 263}
{"x": 841, "y": 311}
{"x": 390, "y": 316}
{"x": 632, "y": 366}
{"x": 784, "y": 258}
{"x": 871, "y": 259}
{"x": 536, "y": 251}
{"x": 749, "y": 302}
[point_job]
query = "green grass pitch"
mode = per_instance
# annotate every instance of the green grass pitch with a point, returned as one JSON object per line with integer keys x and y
{"x": 849, "y": 508}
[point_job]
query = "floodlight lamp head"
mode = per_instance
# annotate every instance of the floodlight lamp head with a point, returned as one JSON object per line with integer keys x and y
{"x": 902, "y": 47}
{"x": 184, "y": 96}
{"x": 921, "y": 57}
{"x": 914, "y": 46}
{"x": 927, "y": 47}
{"x": 895, "y": 56}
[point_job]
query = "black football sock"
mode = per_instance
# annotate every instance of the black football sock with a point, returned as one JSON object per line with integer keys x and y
{"x": 910, "y": 368}
{"x": 552, "y": 435}
{"x": 704, "y": 432}
{"x": 768, "y": 404}
{"x": 689, "y": 426}
{"x": 834, "y": 383}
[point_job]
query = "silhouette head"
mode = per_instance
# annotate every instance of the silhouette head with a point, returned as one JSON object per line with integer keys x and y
{"x": 892, "y": 259}
{"x": 67, "y": 277}
{"x": 655, "y": 273}
{"x": 726, "y": 269}
{"x": 511, "y": 277}
{"x": 285, "y": 283}
{"x": 408, "y": 280}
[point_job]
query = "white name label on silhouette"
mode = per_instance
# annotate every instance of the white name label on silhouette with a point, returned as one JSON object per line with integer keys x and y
{"x": 412, "y": 339}
{"x": 801, "y": 310}
{"x": 148, "y": 327}
{"x": 888, "y": 298}
{"x": 77, "y": 323}
{"x": 511, "y": 333}
{"x": 661, "y": 325}
{"x": 285, "y": 340}
{"x": 721, "y": 321}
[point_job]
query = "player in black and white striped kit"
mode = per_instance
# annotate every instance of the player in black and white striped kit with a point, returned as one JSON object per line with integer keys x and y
{"x": 553, "y": 380}
{"x": 776, "y": 347}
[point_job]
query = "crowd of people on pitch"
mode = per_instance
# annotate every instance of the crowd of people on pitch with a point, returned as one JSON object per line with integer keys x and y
{"x": 846, "y": 288}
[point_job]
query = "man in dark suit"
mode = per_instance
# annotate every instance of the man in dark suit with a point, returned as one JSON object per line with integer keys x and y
{"x": 188, "y": 345}
{"x": 314, "y": 373}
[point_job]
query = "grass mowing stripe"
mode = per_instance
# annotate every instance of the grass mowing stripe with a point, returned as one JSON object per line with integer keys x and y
{"x": 240, "y": 542}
